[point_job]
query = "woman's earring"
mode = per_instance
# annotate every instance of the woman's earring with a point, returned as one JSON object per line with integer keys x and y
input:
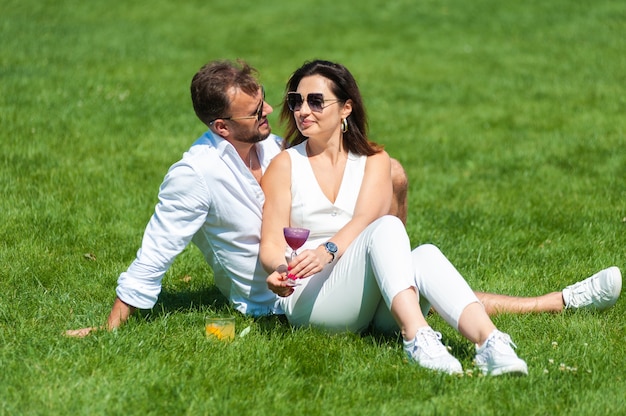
{"x": 344, "y": 125}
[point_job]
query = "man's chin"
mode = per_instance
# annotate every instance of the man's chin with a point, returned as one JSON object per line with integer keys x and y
{"x": 265, "y": 133}
{"x": 258, "y": 136}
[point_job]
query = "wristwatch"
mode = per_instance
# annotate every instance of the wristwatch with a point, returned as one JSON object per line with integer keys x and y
{"x": 331, "y": 248}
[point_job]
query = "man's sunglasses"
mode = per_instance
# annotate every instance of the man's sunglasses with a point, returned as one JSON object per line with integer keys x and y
{"x": 258, "y": 114}
{"x": 315, "y": 101}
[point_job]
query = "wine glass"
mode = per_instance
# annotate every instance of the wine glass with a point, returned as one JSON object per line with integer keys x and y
{"x": 295, "y": 238}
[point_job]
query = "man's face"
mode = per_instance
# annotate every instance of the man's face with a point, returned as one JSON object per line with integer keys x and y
{"x": 248, "y": 116}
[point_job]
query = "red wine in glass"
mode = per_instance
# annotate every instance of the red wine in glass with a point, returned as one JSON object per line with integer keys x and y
{"x": 295, "y": 238}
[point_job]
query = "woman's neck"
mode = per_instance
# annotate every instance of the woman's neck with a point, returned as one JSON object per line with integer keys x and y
{"x": 331, "y": 149}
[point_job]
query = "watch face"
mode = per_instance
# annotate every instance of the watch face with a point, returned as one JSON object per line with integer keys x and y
{"x": 331, "y": 247}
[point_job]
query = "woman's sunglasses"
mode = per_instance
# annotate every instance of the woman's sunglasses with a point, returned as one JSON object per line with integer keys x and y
{"x": 315, "y": 101}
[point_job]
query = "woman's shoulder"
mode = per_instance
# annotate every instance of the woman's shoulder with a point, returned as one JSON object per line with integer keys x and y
{"x": 281, "y": 161}
{"x": 382, "y": 155}
{"x": 295, "y": 152}
{"x": 378, "y": 160}
{"x": 299, "y": 148}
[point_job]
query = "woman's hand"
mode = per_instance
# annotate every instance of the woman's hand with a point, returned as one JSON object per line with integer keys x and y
{"x": 278, "y": 283}
{"x": 309, "y": 262}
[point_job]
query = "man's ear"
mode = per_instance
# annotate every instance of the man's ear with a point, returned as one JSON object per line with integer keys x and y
{"x": 220, "y": 128}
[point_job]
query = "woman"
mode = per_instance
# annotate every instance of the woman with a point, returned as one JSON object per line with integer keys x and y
{"x": 357, "y": 265}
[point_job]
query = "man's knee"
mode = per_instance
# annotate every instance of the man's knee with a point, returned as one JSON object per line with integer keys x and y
{"x": 400, "y": 188}
{"x": 398, "y": 177}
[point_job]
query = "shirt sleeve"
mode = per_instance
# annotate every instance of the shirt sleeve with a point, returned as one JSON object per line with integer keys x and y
{"x": 183, "y": 205}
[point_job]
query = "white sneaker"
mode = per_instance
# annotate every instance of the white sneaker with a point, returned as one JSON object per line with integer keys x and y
{"x": 496, "y": 357}
{"x": 427, "y": 350}
{"x": 599, "y": 291}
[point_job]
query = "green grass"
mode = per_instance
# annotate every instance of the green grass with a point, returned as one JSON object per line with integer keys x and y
{"x": 509, "y": 119}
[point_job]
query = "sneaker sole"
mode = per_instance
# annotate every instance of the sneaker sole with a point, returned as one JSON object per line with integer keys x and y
{"x": 450, "y": 371}
{"x": 511, "y": 370}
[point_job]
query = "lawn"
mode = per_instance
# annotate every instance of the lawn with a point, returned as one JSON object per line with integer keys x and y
{"x": 509, "y": 118}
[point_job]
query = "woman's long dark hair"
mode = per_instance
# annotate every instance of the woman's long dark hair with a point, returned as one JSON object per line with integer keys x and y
{"x": 344, "y": 86}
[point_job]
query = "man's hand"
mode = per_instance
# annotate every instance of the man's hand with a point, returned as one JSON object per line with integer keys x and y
{"x": 83, "y": 332}
{"x": 119, "y": 314}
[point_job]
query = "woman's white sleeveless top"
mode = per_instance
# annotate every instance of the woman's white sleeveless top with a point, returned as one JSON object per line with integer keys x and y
{"x": 310, "y": 208}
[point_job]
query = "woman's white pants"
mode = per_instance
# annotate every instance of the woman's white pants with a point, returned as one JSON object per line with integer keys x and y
{"x": 357, "y": 290}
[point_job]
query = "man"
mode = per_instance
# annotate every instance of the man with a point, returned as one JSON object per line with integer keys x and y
{"x": 212, "y": 197}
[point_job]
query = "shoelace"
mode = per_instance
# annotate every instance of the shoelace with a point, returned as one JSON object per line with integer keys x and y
{"x": 429, "y": 340}
{"x": 581, "y": 291}
{"x": 505, "y": 338}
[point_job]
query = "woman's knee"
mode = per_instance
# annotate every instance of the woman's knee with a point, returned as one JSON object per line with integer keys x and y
{"x": 427, "y": 250}
{"x": 388, "y": 228}
{"x": 389, "y": 222}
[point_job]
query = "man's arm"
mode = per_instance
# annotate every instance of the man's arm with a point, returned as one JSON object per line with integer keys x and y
{"x": 180, "y": 213}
